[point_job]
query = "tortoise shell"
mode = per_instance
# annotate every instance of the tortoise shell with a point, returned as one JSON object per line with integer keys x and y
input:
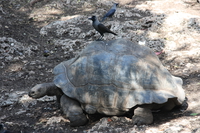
{"x": 112, "y": 77}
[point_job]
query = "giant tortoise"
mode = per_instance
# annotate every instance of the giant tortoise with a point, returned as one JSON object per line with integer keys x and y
{"x": 112, "y": 78}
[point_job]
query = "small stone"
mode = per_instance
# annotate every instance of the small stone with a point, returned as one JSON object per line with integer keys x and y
{"x": 25, "y": 100}
{"x": 114, "y": 118}
{"x": 47, "y": 98}
{"x": 46, "y": 53}
{"x": 31, "y": 73}
{"x": 6, "y": 103}
{"x": 20, "y": 112}
{"x": 71, "y": 50}
{"x": 54, "y": 119}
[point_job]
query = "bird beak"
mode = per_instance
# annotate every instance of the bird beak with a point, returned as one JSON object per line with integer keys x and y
{"x": 90, "y": 18}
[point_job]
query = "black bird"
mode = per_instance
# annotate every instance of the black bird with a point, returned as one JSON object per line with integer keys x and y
{"x": 111, "y": 12}
{"x": 100, "y": 27}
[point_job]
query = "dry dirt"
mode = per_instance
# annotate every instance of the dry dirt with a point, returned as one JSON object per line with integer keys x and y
{"x": 23, "y": 67}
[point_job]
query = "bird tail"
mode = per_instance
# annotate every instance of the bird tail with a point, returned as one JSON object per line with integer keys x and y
{"x": 103, "y": 19}
{"x": 113, "y": 33}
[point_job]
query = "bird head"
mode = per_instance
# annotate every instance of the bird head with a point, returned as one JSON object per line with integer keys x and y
{"x": 93, "y": 18}
{"x": 116, "y": 4}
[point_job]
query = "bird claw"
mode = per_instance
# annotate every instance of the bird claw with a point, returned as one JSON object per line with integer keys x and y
{"x": 99, "y": 39}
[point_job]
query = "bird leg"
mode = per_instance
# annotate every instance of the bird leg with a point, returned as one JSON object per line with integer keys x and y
{"x": 111, "y": 18}
{"x": 100, "y": 38}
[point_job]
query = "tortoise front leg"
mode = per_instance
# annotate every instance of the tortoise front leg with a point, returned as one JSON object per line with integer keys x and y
{"x": 73, "y": 111}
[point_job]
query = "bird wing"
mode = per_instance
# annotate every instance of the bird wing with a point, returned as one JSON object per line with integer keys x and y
{"x": 103, "y": 29}
{"x": 110, "y": 13}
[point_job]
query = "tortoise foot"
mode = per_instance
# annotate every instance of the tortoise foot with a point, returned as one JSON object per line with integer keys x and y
{"x": 73, "y": 111}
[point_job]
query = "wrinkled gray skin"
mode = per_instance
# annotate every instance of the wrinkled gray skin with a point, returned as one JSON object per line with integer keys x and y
{"x": 112, "y": 78}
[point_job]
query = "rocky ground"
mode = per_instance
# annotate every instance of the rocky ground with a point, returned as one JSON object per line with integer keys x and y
{"x": 37, "y": 35}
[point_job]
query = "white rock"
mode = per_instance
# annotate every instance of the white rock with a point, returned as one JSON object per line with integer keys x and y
{"x": 55, "y": 119}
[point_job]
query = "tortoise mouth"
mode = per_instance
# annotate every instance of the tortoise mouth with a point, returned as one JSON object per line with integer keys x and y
{"x": 32, "y": 94}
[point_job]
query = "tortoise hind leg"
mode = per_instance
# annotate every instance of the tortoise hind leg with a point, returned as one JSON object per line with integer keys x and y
{"x": 170, "y": 104}
{"x": 142, "y": 116}
{"x": 72, "y": 109}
